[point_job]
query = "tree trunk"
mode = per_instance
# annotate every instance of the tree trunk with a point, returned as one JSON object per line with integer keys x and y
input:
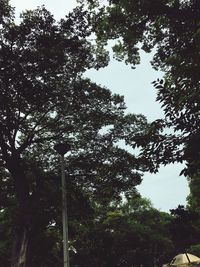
{"x": 22, "y": 227}
{"x": 20, "y": 249}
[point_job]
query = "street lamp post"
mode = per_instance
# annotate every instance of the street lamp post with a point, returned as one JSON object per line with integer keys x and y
{"x": 62, "y": 149}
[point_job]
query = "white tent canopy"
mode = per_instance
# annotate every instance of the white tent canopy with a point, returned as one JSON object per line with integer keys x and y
{"x": 184, "y": 259}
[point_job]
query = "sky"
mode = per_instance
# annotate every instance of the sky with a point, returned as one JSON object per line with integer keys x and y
{"x": 166, "y": 189}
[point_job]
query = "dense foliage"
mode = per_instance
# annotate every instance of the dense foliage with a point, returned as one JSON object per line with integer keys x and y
{"x": 170, "y": 29}
{"x": 45, "y": 100}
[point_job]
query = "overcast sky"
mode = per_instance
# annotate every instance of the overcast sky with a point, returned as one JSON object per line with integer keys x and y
{"x": 166, "y": 189}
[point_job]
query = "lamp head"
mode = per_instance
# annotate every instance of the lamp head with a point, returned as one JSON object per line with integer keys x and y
{"x": 62, "y": 148}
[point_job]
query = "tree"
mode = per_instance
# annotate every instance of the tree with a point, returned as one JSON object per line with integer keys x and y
{"x": 193, "y": 206}
{"x": 129, "y": 234}
{"x": 31, "y": 53}
{"x": 171, "y": 29}
{"x": 193, "y": 198}
{"x": 184, "y": 228}
{"x": 43, "y": 101}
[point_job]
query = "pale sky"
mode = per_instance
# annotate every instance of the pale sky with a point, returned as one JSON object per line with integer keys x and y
{"x": 166, "y": 189}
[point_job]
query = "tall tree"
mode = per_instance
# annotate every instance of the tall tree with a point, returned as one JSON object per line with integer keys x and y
{"x": 44, "y": 100}
{"x": 169, "y": 28}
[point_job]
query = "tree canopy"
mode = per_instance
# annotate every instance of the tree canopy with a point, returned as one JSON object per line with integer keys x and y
{"x": 45, "y": 100}
{"x": 170, "y": 29}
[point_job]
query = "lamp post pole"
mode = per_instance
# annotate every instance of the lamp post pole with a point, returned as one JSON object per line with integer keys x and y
{"x": 62, "y": 149}
{"x": 64, "y": 215}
